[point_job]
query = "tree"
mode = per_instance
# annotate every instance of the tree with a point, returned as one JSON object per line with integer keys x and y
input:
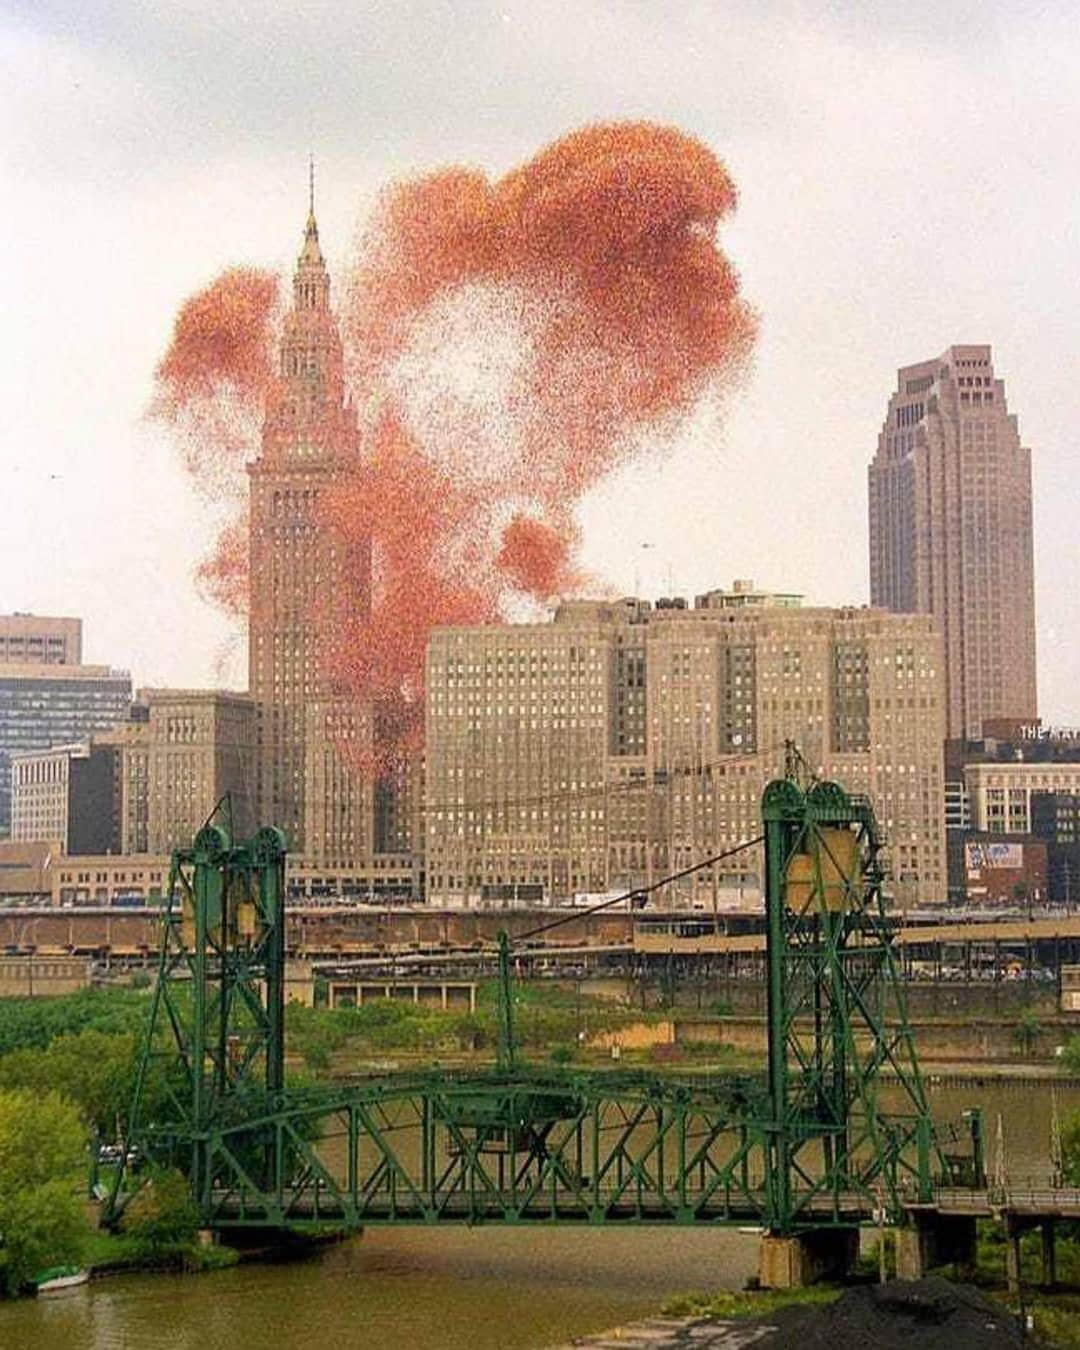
{"x": 1070, "y": 1055}
{"x": 1027, "y": 1031}
{"x": 32, "y": 1023}
{"x": 94, "y": 1070}
{"x": 1070, "y": 1148}
{"x": 162, "y": 1214}
{"x": 42, "y": 1152}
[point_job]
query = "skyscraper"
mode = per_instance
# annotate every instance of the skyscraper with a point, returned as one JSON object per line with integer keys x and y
{"x": 310, "y": 439}
{"x": 950, "y": 531}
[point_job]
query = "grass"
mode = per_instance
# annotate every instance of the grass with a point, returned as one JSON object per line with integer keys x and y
{"x": 725, "y": 1305}
{"x": 115, "y": 1251}
{"x": 550, "y": 1022}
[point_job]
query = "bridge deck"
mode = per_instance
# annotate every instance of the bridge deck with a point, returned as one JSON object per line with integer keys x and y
{"x": 506, "y": 1207}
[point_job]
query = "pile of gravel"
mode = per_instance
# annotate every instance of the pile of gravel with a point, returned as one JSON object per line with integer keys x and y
{"x": 929, "y": 1314}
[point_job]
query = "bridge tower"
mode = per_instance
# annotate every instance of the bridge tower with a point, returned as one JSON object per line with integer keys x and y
{"x": 837, "y": 1017}
{"x": 216, "y": 1029}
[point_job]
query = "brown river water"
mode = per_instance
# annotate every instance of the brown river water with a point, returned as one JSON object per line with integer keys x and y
{"x": 448, "y": 1289}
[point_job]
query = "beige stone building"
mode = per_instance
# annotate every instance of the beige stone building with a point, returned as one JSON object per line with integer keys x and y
{"x": 999, "y": 792}
{"x": 307, "y": 785}
{"x": 197, "y": 746}
{"x": 951, "y": 532}
{"x": 622, "y": 742}
{"x": 108, "y": 879}
{"x": 146, "y": 786}
{"x": 40, "y": 793}
{"x": 313, "y": 738}
{"x": 35, "y": 640}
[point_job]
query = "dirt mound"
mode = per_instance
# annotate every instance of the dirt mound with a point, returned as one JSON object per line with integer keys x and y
{"x": 930, "y": 1314}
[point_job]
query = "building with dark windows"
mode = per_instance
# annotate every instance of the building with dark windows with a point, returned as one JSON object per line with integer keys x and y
{"x": 623, "y": 742}
{"x": 67, "y": 793}
{"x": 951, "y": 533}
{"x": 31, "y": 639}
{"x": 48, "y": 705}
{"x": 1055, "y": 820}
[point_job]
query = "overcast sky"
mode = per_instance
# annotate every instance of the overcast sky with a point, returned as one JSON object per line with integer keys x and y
{"x": 908, "y": 178}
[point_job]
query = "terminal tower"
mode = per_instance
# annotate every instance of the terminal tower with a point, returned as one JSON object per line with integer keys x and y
{"x": 310, "y": 440}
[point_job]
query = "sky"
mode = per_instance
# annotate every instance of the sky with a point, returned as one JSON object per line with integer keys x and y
{"x": 907, "y": 176}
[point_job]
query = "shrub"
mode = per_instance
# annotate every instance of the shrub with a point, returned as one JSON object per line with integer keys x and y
{"x": 162, "y": 1215}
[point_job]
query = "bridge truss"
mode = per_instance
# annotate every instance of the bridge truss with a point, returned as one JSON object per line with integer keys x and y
{"x": 806, "y": 1146}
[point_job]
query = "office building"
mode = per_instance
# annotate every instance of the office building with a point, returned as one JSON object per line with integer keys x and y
{"x": 1001, "y": 791}
{"x": 30, "y": 639}
{"x": 620, "y": 743}
{"x": 951, "y": 533}
{"x": 54, "y": 704}
{"x": 195, "y": 749}
{"x": 1055, "y": 819}
{"x": 67, "y": 793}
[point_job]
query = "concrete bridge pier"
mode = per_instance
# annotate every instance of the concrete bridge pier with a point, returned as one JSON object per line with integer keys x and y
{"x": 1015, "y": 1228}
{"x": 792, "y": 1261}
{"x": 1049, "y": 1253}
{"x": 930, "y": 1239}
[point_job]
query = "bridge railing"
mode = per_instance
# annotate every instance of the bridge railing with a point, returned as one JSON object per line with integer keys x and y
{"x": 1033, "y": 1197}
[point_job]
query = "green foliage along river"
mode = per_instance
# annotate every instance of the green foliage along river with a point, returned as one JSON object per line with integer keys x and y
{"x": 429, "y": 1289}
{"x": 483, "y": 1288}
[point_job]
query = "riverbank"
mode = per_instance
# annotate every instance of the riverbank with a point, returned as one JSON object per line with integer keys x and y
{"x": 106, "y": 1254}
{"x": 928, "y": 1313}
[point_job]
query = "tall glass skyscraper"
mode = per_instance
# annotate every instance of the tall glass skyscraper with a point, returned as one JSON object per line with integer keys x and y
{"x": 951, "y": 535}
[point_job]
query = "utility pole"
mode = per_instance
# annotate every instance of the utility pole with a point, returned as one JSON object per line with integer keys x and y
{"x": 506, "y": 1048}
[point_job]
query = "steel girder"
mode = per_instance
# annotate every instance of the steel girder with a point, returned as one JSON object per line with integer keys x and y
{"x": 806, "y": 1147}
{"x": 837, "y": 1014}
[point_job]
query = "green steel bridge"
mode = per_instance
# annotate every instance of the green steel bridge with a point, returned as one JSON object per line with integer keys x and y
{"x": 806, "y": 1146}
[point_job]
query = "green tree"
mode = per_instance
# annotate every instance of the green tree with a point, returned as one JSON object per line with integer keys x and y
{"x": 1070, "y": 1148}
{"x": 1027, "y": 1031}
{"x": 163, "y": 1214}
{"x": 1070, "y": 1055}
{"x": 93, "y": 1069}
{"x": 32, "y": 1023}
{"x": 42, "y": 1153}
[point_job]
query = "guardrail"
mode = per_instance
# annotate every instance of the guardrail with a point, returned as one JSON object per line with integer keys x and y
{"x": 1053, "y": 1201}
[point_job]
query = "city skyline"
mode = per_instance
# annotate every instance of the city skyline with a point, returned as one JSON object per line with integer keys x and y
{"x": 799, "y": 436}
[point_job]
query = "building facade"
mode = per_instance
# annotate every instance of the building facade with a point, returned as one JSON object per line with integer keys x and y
{"x": 31, "y": 639}
{"x": 1001, "y": 792}
{"x": 109, "y": 879}
{"x": 621, "y": 743}
{"x": 309, "y": 734}
{"x": 147, "y": 785}
{"x": 1005, "y": 870}
{"x": 54, "y": 704}
{"x": 67, "y": 793}
{"x": 951, "y": 531}
{"x": 1055, "y": 819}
{"x": 196, "y": 748}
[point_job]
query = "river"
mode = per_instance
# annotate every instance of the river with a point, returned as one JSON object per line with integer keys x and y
{"x": 485, "y": 1288}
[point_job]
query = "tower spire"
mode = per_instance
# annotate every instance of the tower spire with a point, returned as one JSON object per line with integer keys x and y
{"x": 311, "y": 253}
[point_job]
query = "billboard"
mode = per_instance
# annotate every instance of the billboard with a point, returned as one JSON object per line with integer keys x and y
{"x": 1002, "y": 857}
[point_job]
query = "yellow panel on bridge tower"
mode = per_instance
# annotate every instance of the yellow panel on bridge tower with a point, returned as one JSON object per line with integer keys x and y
{"x": 836, "y": 854}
